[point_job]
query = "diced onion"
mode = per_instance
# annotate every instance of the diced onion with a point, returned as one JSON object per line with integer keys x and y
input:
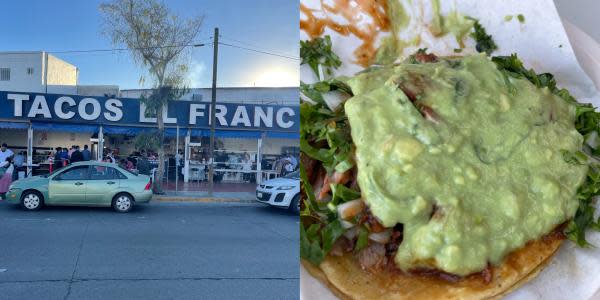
{"x": 351, "y": 233}
{"x": 346, "y": 224}
{"x": 381, "y": 237}
{"x": 305, "y": 98}
{"x": 592, "y": 140}
{"x": 334, "y": 99}
{"x": 350, "y": 208}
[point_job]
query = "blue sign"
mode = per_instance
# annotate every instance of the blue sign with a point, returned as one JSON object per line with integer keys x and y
{"x": 127, "y": 111}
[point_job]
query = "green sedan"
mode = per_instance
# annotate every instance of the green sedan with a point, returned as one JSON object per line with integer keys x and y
{"x": 87, "y": 183}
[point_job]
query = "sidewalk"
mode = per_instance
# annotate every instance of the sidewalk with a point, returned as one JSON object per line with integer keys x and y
{"x": 199, "y": 196}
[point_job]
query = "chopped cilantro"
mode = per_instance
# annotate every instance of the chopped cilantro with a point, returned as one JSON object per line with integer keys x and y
{"x": 363, "y": 239}
{"x": 484, "y": 41}
{"x": 318, "y": 52}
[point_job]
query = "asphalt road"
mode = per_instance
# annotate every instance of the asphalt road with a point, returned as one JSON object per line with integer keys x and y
{"x": 158, "y": 251}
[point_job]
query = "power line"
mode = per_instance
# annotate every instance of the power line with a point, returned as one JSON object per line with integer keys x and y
{"x": 198, "y": 44}
{"x": 128, "y": 49}
{"x": 253, "y": 45}
{"x": 260, "y": 51}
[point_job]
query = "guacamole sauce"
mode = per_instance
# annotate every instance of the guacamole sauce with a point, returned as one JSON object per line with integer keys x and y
{"x": 481, "y": 178}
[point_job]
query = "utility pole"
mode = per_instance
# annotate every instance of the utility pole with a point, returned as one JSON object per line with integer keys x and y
{"x": 46, "y": 71}
{"x": 213, "y": 104}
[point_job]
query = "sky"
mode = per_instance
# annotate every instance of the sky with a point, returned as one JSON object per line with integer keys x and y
{"x": 60, "y": 25}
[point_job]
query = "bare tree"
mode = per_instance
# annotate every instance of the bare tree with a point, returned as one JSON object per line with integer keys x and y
{"x": 156, "y": 38}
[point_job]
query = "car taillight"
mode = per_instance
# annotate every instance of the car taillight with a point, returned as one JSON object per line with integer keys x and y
{"x": 149, "y": 185}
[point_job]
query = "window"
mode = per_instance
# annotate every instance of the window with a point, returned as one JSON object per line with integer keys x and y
{"x": 105, "y": 173}
{"x": 4, "y": 74}
{"x": 75, "y": 173}
{"x": 29, "y": 71}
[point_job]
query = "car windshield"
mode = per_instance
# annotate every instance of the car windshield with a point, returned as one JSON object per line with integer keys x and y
{"x": 293, "y": 175}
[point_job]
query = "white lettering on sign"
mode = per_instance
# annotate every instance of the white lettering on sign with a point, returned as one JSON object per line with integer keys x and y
{"x": 18, "y": 98}
{"x": 39, "y": 107}
{"x": 221, "y": 111}
{"x": 166, "y": 118}
{"x": 113, "y": 106}
{"x": 58, "y": 107}
{"x": 83, "y": 109}
{"x": 279, "y": 117}
{"x": 196, "y": 110}
{"x": 111, "y": 109}
{"x": 241, "y": 116}
{"x": 261, "y": 116}
{"x": 143, "y": 117}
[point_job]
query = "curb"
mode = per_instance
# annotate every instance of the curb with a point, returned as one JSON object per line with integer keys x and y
{"x": 199, "y": 199}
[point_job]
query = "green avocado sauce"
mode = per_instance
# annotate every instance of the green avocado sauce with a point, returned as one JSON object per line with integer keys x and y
{"x": 483, "y": 180}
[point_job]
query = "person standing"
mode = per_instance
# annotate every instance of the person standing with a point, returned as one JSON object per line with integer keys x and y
{"x": 179, "y": 162}
{"x": 6, "y": 178}
{"x": 19, "y": 159}
{"x": 64, "y": 156}
{"x": 143, "y": 165}
{"x": 71, "y": 150}
{"x": 5, "y": 153}
{"x": 57, "y": 161}
{"x": 293, "y": 161}
{"x": 76, "y": 155}
{"x": 111, "y": 157}
{"x": 87, "y": 155}
{"x": 19, "y": 162}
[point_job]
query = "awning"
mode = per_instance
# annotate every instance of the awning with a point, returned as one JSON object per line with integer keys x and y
{"x": 133, "y": 131}
{"x": 65, "y": 127}
{"x": 283, "y": 135}
{"x": 13, "y": 125}
{"x": 123, "y": 130}
{"x": 237, "y": 134}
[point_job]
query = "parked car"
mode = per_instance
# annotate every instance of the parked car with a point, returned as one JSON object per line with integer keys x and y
{"x": 283, "y": 192}
{"x": 87, "y": 183}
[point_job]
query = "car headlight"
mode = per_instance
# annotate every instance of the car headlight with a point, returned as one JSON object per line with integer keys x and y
{"x": 285, "y": 187}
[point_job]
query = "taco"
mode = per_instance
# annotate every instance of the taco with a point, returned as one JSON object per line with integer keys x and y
{"x": 440, "y": 177}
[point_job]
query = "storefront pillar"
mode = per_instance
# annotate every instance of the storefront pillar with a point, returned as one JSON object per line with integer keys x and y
{"x": 100, "y": 144}
{"x": 177, "y": 162}
{"x": 258, "y": 161}
{"x": 29, "y": 150}
{"x": 186, "y": 157}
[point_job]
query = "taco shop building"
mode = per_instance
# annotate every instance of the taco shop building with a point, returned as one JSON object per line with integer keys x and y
{"x": 250, "y": 137}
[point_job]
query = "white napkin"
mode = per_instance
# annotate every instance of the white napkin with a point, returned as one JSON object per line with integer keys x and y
{"x": 542, "y": 43}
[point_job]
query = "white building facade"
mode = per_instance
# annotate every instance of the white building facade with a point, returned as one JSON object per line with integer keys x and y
{"x": 242, "y": 154}
{"x": 41, "y": 72}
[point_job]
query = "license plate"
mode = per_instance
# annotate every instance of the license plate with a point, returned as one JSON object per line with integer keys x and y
{"x": 259, "y": 194}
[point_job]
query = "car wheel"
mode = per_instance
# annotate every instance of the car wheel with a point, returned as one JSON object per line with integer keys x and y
{"x": 295, "y": 204}
{"x": 122, "y": 203}
{"x": 31, "y": 200}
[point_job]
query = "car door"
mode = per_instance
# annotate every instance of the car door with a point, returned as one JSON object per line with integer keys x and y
{"x": 69, "y": 186}
{"x": 102, "y": 185}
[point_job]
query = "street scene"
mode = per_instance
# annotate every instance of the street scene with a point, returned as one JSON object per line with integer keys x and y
{"x": 149, "y": 149}
{"x": 162, "y": 250}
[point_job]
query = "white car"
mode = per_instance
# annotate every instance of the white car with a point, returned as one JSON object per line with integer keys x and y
{"x": 283, "y": 192}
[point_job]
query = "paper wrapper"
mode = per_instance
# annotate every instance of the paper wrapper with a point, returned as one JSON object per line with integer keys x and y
{"x": 542, "y": 43}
